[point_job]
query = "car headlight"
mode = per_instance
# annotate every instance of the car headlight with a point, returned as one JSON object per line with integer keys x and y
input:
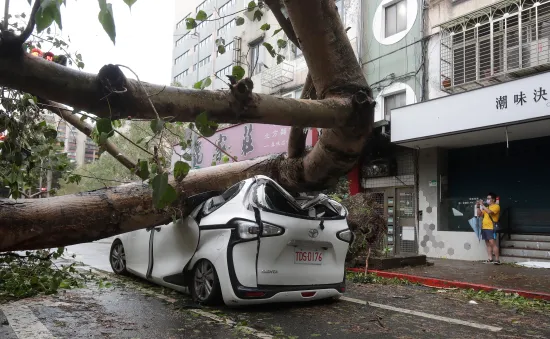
{"x": 345, "y": 235}
{"x": 250, "y": 230}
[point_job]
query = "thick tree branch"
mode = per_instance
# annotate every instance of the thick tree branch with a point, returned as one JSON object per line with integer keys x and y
{"x": 67, "y": 114}
{"x": 298, "y": 136}
{"x": 326, "y": 47}
{"x": 32, "y": 22}
{"x": 275, "y": 6}
{"x": 84, "y": 91}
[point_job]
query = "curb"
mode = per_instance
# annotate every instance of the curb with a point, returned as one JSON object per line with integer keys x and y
{"x": 442, "y": 283}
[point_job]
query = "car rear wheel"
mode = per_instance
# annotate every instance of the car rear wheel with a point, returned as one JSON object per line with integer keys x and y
{"x": 205, "y": 287}
{"x": 117, "y": 258}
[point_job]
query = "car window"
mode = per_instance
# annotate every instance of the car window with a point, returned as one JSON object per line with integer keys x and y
{"x": 276, "y": 201}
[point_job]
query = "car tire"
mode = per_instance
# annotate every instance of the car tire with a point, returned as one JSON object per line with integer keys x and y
{"x": 117, "y": 258}
{"x": 205, "y": 285}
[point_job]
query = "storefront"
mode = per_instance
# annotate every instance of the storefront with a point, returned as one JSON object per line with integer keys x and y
{"x": 493, "y": 139}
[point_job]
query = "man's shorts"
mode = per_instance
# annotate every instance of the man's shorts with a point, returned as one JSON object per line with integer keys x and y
{"x": 487, "y": 234}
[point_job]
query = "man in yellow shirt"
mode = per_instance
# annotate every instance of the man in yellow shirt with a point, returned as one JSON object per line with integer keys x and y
{"x": 491, "y": 215}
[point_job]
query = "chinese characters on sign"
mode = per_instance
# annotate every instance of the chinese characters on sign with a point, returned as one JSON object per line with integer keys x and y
{"x": 252, "y": 140}
{"x": 521, "y": 98}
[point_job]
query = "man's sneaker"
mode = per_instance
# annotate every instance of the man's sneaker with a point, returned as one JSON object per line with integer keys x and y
{"x": 497, "y": 262}
{"x": 488, "y": 261}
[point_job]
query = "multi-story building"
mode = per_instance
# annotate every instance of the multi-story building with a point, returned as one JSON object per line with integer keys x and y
{"x": 485, "y": 128}
{"x": 195, "y": 57}
{"x": 79, "y": 147}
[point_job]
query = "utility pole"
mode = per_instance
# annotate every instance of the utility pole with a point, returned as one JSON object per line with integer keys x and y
{"x": 193, "y": 135}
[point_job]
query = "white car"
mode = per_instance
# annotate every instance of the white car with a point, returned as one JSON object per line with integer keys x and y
{"x": 252, "y": 244}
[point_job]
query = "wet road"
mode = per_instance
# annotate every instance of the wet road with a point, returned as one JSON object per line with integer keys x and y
{"x": 133, "y": 308}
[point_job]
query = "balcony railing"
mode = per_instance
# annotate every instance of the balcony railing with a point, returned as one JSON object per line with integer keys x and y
{"x": 278, "y": 75}
{"x": 501, "y": 42}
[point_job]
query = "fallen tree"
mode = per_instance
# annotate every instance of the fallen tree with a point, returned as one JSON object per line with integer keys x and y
{"x": 343, "y": 107}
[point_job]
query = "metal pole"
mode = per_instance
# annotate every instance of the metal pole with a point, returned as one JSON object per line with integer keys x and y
{"x": 6, "y": 13}
{"x": 193, "y": 135}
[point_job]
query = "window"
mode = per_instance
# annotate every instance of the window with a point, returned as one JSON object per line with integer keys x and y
{"x": 195, "y": 48}
{"x": 396, "y": 18}
{"x": 296, "y": 51}
{"x": 256, "y": 58}
{"x": 228, "y": 47}
{"x": 225, "y": 28}
{"x": 298, "y": 93}
{"x": 206, "y": 41}
{"x": 203, "y": 5}
{"x": 202, "y": 23}
{"x": 224, "y": 10}
{"x": 224, "y": 71}
{"x": 194, "y": 67}
{"x": 393, "y": 101}
{"x": 179, "y": 77}
{"x": 204, "y": 61}
{"x": 182, "y": 39}
{"x": 181, "y": 23}
{"x": 181, "y": 57}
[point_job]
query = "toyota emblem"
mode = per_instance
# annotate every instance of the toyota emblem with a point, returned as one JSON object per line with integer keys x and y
{"x": 313, "y": 233}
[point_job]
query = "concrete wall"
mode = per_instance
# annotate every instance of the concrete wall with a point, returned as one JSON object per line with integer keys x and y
{"x": 392, "y": 64}
{"x": 434, "y": 243}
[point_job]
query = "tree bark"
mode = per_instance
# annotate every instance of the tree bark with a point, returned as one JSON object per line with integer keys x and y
{"x": 87, "y": 92}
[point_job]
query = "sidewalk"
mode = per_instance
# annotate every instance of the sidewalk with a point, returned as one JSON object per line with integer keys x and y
{"x": 532, "y": 282}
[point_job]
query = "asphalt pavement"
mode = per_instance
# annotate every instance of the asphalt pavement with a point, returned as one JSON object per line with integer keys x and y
{"x": 134, "y": 308}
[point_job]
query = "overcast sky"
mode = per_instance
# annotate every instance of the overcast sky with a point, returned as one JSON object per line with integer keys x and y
{"x": 144, "y": 35}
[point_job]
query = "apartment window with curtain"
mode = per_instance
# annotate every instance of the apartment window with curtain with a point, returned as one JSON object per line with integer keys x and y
{"x": 395, "y": 18}
{"x": 256, "y": 58}
{"x": 393, "y": 101}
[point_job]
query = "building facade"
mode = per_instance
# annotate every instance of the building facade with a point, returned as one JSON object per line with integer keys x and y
{"x": 79, "y": 147}
{"x": 485, "y": 127}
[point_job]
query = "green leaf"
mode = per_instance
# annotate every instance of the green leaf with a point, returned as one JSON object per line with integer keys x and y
{"x": 142, "y": 169}
{"x": 190, "y": 23}
{"x": 238, "y": 72}
{"x": 225, "y": 159}
{"x": 280, "y": 58}
{"x": 277, "y": 31}
{"x": 183, "y": 144}
{"x": 104, "y": 125}
{"x": 157, "y": 125}
{"x": 258, "y": 15}
{"x": 130, "y": 3}
{"x": 50, "y": 134}
{"x": 239, "y": 21}
{"x": 201, "y": 16}
{"x": 206, "y": 127}
{"x": 187, "y": 157}
{"x": 265, "y": 27}
{"x": 251, "y": 6}
{"x": 48, "y": 12}
{"x": 203, "y": 83}
{"x": 117, "y": 123}
{"x": 163, "y": 193}
{"x": 107, "y": 19}
{"x": 181, "y": 169}
{"x": 282, "y": 43}
{"x": 221, "y": 49}
{"x": 270, "y": 49}
{"x": 80, "y": 64}
{"x": 206, "y": 82}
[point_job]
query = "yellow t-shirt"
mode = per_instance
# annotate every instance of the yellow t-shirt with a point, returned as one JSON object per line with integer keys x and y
{"x": 487, "y": 223}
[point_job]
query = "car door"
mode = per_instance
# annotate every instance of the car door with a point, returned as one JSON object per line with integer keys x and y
{"x": 173, "y": 246}
{"x": 307, "y": 252}
{"x": 137, "y": 251}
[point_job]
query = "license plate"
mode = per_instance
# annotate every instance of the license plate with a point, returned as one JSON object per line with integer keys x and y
{"x": 308, "y": 257}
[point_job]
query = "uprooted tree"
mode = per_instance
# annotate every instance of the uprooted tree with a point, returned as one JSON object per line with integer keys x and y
{"x": 336, "y": 97}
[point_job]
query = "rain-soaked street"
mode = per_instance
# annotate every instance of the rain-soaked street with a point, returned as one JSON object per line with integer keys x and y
{"x": 132, "y": 308}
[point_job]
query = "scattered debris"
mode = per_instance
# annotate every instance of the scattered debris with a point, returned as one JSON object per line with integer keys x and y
{"x": 473, "y": 302}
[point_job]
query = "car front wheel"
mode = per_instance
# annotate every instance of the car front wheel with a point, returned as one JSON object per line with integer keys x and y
{"x": 117, "y": 258}
{"x": 205, "y": 287}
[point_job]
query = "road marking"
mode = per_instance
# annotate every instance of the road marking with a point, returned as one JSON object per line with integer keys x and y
{"x": 424, "y": 315}
{"x": 24, "y": 323}
{"x": 212, "y": 316}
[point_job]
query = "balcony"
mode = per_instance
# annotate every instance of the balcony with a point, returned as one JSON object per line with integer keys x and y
{"x": 497, "y": 43}
{"x": 278, "y": 75}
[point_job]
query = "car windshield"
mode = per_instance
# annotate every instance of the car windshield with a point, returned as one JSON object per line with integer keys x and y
{"x": 273, "y": 197}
